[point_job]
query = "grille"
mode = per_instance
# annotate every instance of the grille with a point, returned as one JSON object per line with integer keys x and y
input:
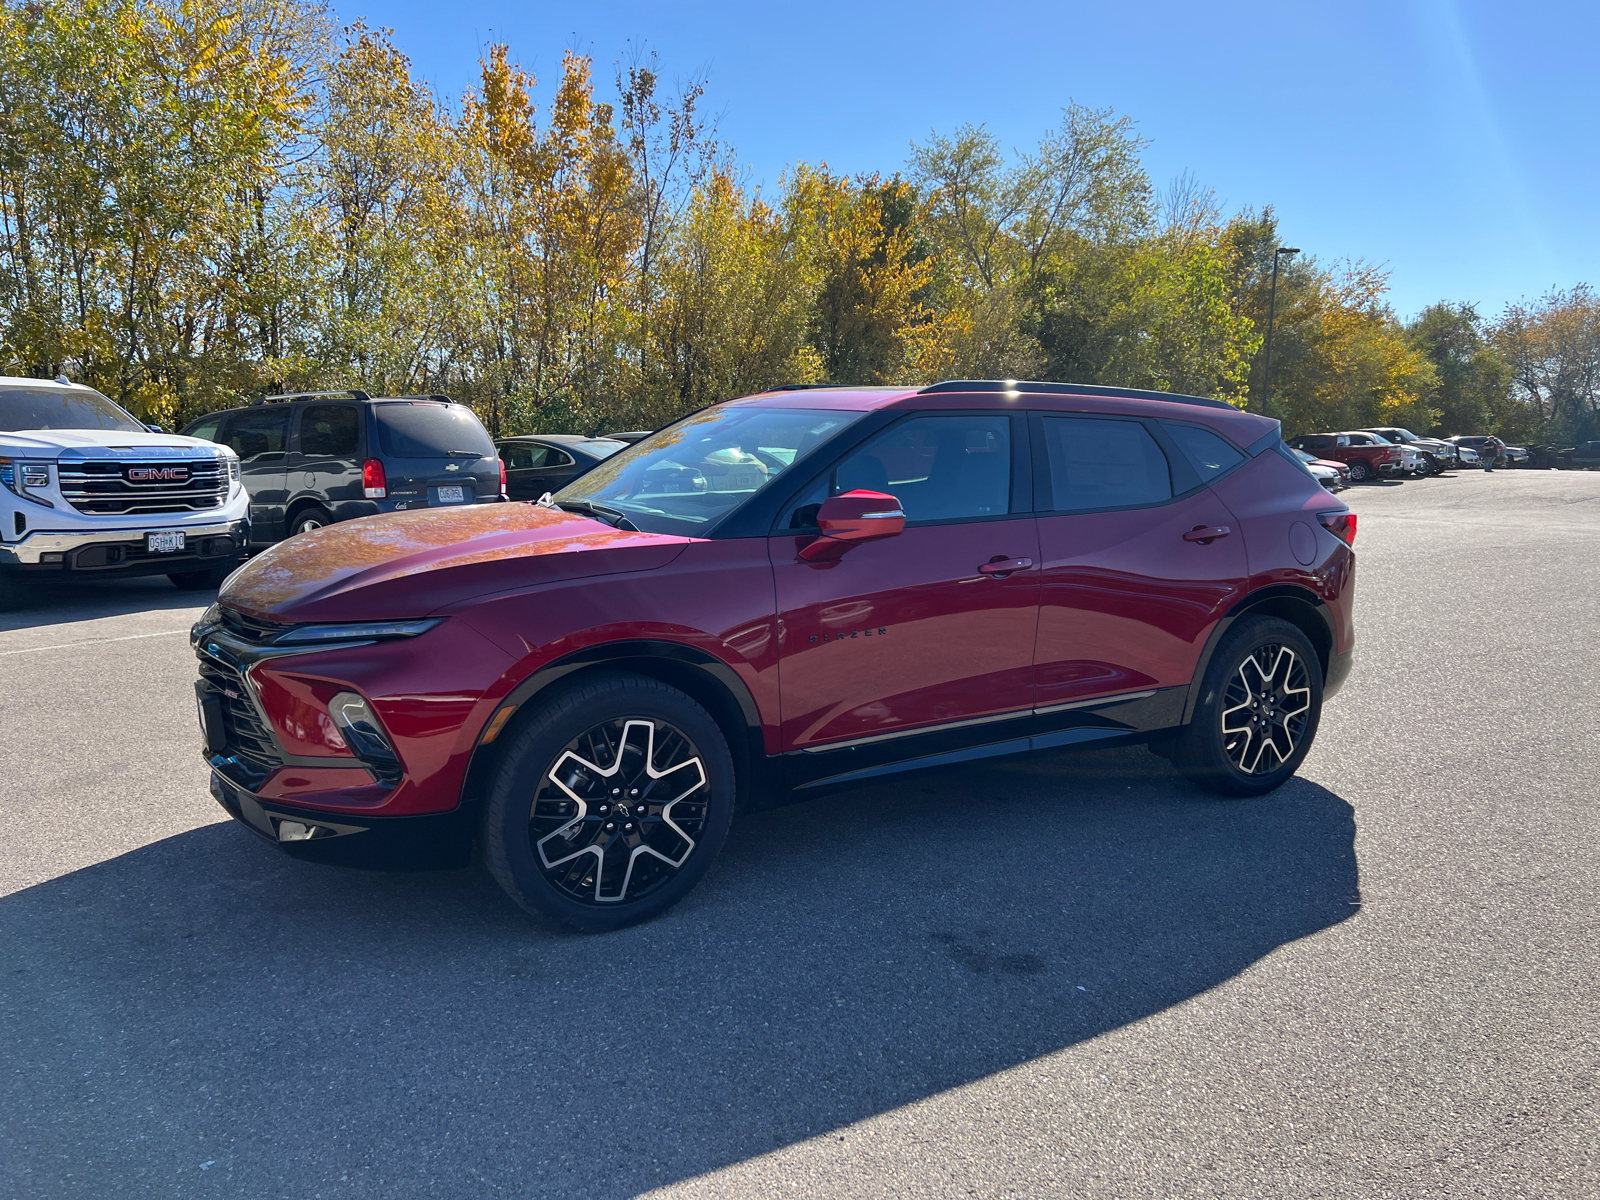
{"x": 250, "y": 628}
{"x": 121, "y": 486}
{"x": 248, "y": 738}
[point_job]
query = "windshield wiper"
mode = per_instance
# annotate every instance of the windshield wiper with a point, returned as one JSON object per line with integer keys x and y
{"x": 609, "y": 515}
{"x": 465, "y": 454}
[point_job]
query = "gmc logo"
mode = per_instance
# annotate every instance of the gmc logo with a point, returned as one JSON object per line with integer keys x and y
{"x": 158, "y": 474}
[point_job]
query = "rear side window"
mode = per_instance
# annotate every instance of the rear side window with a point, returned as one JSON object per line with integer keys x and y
{"x": 1098, "y": 463}
{"x": 1208, "y": 453}
{"x": 330, "y": 429}
{"x": 258, "y": 431}
{"x": 428, "y": 429}
{"x": 522, "y": 456}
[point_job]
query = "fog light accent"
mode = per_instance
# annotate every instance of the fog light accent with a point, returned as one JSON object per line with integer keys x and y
{"x": 364, "y": 735}
{"x": 294, "y": 831}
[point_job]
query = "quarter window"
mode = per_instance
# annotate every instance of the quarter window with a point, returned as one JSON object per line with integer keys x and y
{"x": 1097, "y": 463}
{"x": 1208, "y": 453}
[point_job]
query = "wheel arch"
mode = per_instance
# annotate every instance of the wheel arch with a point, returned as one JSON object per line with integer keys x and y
{"x": 1300, "y": 606}
{"x": 700, "y": 675}
{"x": 298, "y": 506}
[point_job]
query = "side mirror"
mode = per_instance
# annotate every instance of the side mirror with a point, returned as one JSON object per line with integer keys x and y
{"x": 155, "y": 429}
{"x": 850, "y": 518}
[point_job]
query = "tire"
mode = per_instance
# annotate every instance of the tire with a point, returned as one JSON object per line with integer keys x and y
{"x": 209, "y": 579}
{"x": 308, "y": 519}
{"x": 561, "y": 802}
{"x": 1222, "y": 749}
{"x": 1360, "y": 472}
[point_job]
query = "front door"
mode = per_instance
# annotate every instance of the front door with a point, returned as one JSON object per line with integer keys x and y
{"x": 912, "y": 633}
{"x": 260, "y": 436}
{"x": 1127, "y": 600}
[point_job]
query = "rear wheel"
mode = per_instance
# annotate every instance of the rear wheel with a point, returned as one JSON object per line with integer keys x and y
{"x": 1359, "y": 472}
{"x": 609, "y": 803}
{"x": 1258, "y": 710}
{"x": 308, "y": 519}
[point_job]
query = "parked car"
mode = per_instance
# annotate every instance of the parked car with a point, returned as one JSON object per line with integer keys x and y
{"x": 536, "y": 463}
{"x": 1330, "y": 473}
{"x": 872, "y": 581}
{"x": 1515, "y": 456}
{"x": 317, "y": 458}
{"x": 1440, "y": 454}
{"x": 1366, "y": 454}
{"x": 1583, "y": 457}
{"x": 87, "y": 491}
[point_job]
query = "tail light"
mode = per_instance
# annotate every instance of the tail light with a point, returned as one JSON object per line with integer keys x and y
{"x": 1341, "y": 524}
{"x": 1394, "y": 454}
{"x": 373, "y": 481}
{"x": 502, "y": 477}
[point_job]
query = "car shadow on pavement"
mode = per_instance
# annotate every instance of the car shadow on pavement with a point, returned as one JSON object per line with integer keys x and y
{"x": 63, "y": 603}
{"x": 207, "y": 1016}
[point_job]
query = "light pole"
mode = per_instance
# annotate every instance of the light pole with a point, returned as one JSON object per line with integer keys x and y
{"x": 1272, "y": 311}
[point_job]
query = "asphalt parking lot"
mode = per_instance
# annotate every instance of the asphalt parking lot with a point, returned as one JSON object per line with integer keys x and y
{"x": 1074, "y": 976}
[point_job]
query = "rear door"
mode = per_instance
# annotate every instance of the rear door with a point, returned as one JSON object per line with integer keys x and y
{"x": 1127, "y": 600}
{"x": 326, "y": 454}
{"x": 259, "y": 435}
{"x": 907, "y": 634}
{"x": 435, "y": 454}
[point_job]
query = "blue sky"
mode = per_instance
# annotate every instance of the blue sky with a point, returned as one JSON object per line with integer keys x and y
{"x": 1454, "y": 141}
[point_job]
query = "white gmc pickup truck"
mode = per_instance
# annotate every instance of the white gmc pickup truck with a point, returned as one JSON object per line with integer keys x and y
{"x": 87, "y": 491}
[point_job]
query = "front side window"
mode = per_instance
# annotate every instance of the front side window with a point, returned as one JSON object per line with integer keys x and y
{"x": 684, "y": 478}
{"x": 258, "y": 431}
{"x": 56, "y": 408}
{"x": 1098, "y": 464}
{"x": 944, "y": 468}
{"x": 206, "y": 429}
{"x": 330, "y": 429}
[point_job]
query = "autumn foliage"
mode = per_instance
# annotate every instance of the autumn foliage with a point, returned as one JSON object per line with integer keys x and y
{"x": 202, "y": 203}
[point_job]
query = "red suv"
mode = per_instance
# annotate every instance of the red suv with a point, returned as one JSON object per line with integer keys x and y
{"x": 789, "y": 592}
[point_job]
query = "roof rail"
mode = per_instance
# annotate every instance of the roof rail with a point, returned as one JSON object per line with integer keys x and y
{"x": 347, "y": 394}
{"x": 1068, "y": 389}
{"x": 434, "y": 396}
{"x": 797, "y": 387}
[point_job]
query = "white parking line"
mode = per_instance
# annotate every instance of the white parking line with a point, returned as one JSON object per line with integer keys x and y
{"x": 92, "y": 642}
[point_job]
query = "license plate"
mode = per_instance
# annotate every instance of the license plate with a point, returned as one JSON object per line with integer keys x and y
{"x": 448, "y": 495}
{"x": 164, "y": 543}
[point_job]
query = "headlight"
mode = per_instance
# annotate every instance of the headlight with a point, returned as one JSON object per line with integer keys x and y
{"x": 363, "y": 631}
{"x": 21, "y": 476}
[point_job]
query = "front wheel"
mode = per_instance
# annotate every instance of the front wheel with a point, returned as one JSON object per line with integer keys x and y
{"x": 609, "y": 803}
{"x": 1360, "y": 472}
{"x": 1257, "y": 714}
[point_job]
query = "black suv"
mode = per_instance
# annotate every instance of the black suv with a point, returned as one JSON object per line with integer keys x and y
{"x": 314, "y": 458}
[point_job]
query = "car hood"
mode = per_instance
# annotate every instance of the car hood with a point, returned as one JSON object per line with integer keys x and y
{"x": 47, "y": 443}
{"x": 411, "y": 564}
{"x": 1330, "y": 464}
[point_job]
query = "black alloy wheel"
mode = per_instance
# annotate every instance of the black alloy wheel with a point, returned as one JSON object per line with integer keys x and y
{"x": 611, "y": 800}
{"x": 1258, "y": 710}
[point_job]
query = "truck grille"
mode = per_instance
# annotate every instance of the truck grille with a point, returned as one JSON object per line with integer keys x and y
{"x": 248, "y": 738}
{"x": 153, "y": 486}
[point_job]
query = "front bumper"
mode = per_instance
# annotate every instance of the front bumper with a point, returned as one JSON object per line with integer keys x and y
{"x": 122, "y": 551}
{"x": 437, "y": 841}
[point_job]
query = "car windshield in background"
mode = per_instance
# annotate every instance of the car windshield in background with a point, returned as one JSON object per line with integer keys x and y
{"x": 683, "y": 478}
{"x": 47, "y": 408}
{"x": 1380, "y": 439}
{"x": 431, "y": 429}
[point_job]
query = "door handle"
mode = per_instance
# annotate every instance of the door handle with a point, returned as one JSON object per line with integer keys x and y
{"x": 1206, "y": 534}
{"x": 1002, "y": 567}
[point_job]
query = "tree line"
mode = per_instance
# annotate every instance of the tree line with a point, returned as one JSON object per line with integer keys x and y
{"x": 203, "y": 203}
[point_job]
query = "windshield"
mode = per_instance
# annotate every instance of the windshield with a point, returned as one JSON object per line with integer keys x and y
{"x": 1380, "y": 439}
{"x": 431, "y": 429}
{"x": 1304, "y": 457}
{"x": 685, "y": 477}
{"x": 57, "y": 408}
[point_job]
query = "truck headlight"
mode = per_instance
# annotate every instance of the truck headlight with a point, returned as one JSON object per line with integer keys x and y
{"x": 21, "y": 476}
